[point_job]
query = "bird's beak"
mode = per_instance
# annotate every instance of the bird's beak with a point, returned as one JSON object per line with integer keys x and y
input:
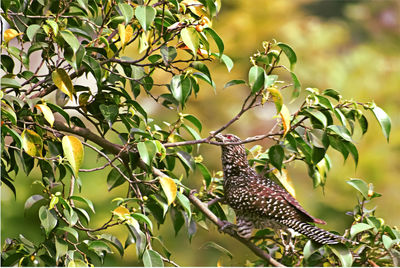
{"x": 219, "y": 137}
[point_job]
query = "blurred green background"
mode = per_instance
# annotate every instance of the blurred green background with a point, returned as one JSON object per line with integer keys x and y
{"x": 351, "y": 46}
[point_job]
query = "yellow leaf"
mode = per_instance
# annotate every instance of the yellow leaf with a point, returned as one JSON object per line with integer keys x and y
{"x": 73, "y": 151}
{"x": 62, "y": 80}
{"x": 47, "y": 113}
{"x": 128, "y": 33}
{"x": 121, "y": 211}
{"x": 122, "y": 34}
{"x": 169, "y": 187}
{"x": 285, "y": 180}
{"x": 10, "y": 34}
{"x": 32, "y": 143}
{"x": 285, "y": 116}
{"x": 277, "y": 98}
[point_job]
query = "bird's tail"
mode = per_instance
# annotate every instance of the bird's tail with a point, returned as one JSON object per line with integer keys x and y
{"x": 315, "y": 233}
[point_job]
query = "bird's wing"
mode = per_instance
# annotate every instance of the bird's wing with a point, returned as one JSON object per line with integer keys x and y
{"x": 276, "y": 192}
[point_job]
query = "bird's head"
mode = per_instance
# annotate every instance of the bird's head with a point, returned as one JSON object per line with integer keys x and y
{"x": 232, "y": 154}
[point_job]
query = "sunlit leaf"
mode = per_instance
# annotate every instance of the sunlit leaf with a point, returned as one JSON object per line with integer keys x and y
{"x": 360, "y": 185}
{"x": 127, "y": 11}
{"x": 384, "y": 121}
{"x": 71, "y": 39}
{"x": 256, "y": 78}
{"x": 47, "y": 113}
{"x": 32, "y": 143}
{"x": 73, "y": 151}
{"x": 143, "y": 218}
{"x": 152, "y": 258}
{"x": 290, "y": 54}
{"x": 147, "y": 151}
{"x": 191, "y": 38}
{"x": 285, "y": 180}
{"x": 277, "y": 98}
{"x": 47, "y": 219}
{"x": 10, "y": 34}
{"x": 169, "y": 187}
{"x": 63, "y": 82}
{"x": 343, "y": 253}
{"x": 145, "y": 16}
{"x": 358, "y": 228}
{"x": 285, "y": 116}
{"x": 121, "y": 211}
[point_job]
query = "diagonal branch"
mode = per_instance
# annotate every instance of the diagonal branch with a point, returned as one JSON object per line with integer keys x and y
{"x": 116, "y": 149}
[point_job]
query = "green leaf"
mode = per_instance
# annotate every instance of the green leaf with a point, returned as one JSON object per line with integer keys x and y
{"x": 69, "y": 230}
{"x": 296, "y": 86}
{"x": 202, "y": 68}
{"x": 256, "y": 78}
{"x": 205, "y": 172}
{"x": 9, "y": 83}
{"x": 127, "y": 12}
{"x": 217, "y": 40}
{"x": 192, "y": 119}
{"x": 318, "y": 115}
{"x": 114, "y": 178}
{"x": 276, "y": 156}
{"x": 47, "y": 219}
{"x": 191, "y": 39}
{"x": 152, "y": 258}
{"x": 332, "y": 93}
{"x": 360, "y": 186}
{"x": 71, "y": 216}
{"x": 147, "y": 151}
{"x": 387, "y": 241}
{"x": 362, "y": 120}
{"x": 88, "y": 202}
{"x": 32, "y": 200}
{"x": 184, "y": 201}
{"x": 234, "y": 82}
{"x": 140, "y": 237}
{"x": 384, "y": 121}
{"x": 358, "y": 228}
{"x": 99, "y": 247}
{"x": 269, "y": 80}
{"x": 290, "y": 54}
{"x": 353, "y": 150}
{"x": 110, "y": 113}
{"x": 61, "y": 248}
{"x": 168, "y": 54}
{"x": 7, "y": 63}
{"x": 113, "y": 241}
{"x": 343, "y": 253}
{"x": 73, "y": 151}
{"x": 310, "y": 248}
{"x": 186, "y": 159}
{"x": 71, "y": 40}
{"x": 77, "y": 263}
{"x": 143, "y": 218}
{"x": 226, "y": 60}
{"x": 341, "y": 131}
{"x": 215, "y": 246}
{"x": 32, "y": 30}
{"x": 145, "y": 16}
{"x": 54, "y": 26}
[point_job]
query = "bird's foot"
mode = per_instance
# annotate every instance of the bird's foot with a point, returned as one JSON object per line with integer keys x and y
{"x": 288, "y": 244}
{"x": 215, "y": 200}
{"x": 227, "y": 227}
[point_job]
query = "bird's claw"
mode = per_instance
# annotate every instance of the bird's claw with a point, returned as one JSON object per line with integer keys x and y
{"x": 227, "y": 227}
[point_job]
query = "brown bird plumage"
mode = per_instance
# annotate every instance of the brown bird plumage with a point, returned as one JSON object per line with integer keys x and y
{"x": 261, "y": 203}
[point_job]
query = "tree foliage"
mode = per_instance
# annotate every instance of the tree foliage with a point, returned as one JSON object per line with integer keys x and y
{"x": 84, "y": 90}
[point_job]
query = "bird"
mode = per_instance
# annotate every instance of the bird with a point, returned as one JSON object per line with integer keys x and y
{"x": 261, "y": 203}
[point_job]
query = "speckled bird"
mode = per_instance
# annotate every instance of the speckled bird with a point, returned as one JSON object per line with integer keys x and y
{"x": 260, "y": 202}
